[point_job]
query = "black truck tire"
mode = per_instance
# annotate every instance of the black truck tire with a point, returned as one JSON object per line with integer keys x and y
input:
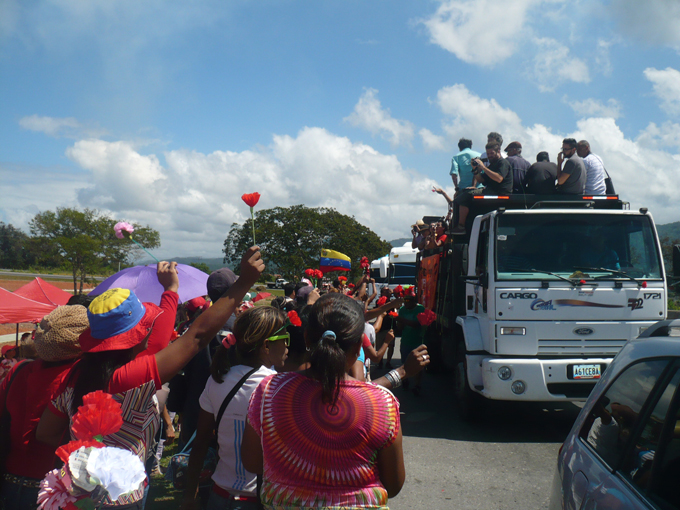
{"x": 470, "y": 403}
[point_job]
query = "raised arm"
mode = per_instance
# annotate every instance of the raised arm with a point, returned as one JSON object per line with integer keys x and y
{"x": 171, "y": 359}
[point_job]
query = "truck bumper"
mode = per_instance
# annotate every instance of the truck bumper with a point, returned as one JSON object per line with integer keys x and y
{"x": 543, "y": 380}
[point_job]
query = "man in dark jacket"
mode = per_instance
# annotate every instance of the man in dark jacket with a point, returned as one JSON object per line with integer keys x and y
{"x": 519, "y": 166}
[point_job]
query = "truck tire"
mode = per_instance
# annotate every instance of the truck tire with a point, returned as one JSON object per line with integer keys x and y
{"x": 470, "y": 404}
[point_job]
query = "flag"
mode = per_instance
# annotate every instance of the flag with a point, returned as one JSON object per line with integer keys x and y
{"x": 332, "y": 260}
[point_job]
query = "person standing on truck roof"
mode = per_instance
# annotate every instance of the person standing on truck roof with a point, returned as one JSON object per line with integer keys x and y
{"x": 519, "y": 166}
{"x": 541, "y": 175}
{"x": 595, "y": 171}
{"x": 461, "y": 167}
{"x": 496, "y": 178}
{"x": 572, "y": 179}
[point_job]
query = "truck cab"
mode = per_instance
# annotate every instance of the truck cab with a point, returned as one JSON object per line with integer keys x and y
{"x": 535, "y": 301}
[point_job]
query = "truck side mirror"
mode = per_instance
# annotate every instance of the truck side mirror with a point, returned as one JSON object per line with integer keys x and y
{"x": 676, "y": 260}
{"x": 383, "y": 267}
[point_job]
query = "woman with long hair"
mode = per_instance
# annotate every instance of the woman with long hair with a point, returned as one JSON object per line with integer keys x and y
{"x": 320, "y": 438}
{"x": 260, "y": 342}
{"x": 121, "y": 329}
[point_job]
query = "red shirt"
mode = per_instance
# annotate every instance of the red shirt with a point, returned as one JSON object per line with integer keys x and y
{"x": 164, "y": 326}
{"x": 29, "y": 394}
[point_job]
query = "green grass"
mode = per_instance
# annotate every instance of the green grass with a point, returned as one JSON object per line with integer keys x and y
{"x": 162, "y": 495}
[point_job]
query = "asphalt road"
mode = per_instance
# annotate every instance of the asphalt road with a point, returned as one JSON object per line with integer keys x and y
{"x": 505, "y": 460}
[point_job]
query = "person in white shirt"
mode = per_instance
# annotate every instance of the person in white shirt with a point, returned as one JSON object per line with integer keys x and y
{"x": 595, "y": 172}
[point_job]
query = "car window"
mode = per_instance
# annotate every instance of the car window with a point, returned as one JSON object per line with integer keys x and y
{"x": 666, "y": 475}
{"x": 615, "y": 415}
{"x": 638, "y": 465}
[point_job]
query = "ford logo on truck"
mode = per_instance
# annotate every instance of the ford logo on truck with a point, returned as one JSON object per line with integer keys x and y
{"x": 518, "y": 295}
{"x": 583, "y": 331}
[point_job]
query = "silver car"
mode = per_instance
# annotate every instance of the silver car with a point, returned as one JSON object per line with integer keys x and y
{"x": 623, "y": 451}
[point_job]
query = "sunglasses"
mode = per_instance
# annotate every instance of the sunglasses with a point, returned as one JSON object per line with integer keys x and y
{"x": 285, "y": 337}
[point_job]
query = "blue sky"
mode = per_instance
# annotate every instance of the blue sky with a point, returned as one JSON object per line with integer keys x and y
{"x": 165, "y": 112}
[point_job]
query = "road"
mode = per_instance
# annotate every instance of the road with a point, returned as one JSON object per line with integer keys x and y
{"x": 506, "y": 460}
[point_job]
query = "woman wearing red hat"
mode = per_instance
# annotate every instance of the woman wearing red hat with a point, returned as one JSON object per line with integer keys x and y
{"x": 121, "y": 327}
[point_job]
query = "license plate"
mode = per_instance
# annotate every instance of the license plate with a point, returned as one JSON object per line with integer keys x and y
{"x": 586, "y": 371}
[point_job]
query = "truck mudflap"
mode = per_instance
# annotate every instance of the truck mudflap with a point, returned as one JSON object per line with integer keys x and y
{"x": 538, "y": 380}
{"x": 472, "y": 333}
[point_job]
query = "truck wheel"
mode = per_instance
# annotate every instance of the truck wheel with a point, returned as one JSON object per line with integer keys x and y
{"x": 469, "y": 402}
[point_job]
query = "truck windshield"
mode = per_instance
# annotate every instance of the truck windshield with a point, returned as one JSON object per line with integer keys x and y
{"x": 584, "y": 246}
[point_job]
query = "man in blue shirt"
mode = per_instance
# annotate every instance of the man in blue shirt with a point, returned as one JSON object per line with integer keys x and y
{"x": 461, "y": 168}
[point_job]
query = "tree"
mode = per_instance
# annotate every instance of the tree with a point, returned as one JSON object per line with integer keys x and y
{"x": 291, "y": 238}
{"x": 86, "y": 239}
{"x": 201, "y": 266}
{"x": 14, "y": 247}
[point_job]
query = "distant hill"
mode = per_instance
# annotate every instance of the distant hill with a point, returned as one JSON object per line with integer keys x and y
{"x": 213, "y": 264}
{"x": 671, "y": 230}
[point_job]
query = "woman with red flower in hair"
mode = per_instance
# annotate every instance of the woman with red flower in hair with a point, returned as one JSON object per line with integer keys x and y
{"x": 259, "y": 341}
{"x": 126, "y": 354}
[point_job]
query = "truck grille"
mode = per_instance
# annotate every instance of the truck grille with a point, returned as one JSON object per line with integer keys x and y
{"x": 580, "y": 346}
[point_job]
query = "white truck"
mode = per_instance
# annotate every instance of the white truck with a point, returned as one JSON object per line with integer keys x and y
{"x": 396, "y": 268}
{"x": 537, "y": 298}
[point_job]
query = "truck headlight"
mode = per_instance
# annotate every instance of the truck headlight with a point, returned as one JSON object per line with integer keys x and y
{"x": 504, "y": 373}
{"x": 513, "y": 331}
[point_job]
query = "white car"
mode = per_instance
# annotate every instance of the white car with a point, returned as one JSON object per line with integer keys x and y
{"x": 623, "y": 451}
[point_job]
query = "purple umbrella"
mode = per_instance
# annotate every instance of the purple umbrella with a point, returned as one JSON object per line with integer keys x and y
{"x": 142, "y": 280}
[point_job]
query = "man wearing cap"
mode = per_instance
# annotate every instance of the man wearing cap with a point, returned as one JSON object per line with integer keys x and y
{"x": 541, "y": 176}
{"x": 572, "y": 179}
{"x": 519, "y": 166}
{"x": 461, "y": 169}
{"x": 420, "y": 233}
{"x": 595, "y": 171}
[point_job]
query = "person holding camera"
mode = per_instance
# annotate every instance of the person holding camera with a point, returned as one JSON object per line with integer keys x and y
{"x": 496, "y": 178}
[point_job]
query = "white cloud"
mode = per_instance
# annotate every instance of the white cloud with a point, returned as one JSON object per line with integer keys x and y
{"x": 193, "y": 198}
{"x": 652, "y": 21}
{"x": 594, "y": 108}
{"x": 666, "y": 84}
{"x": 629, "y": 162}
{"x": 369, "y": 114}
{"x": 55, "y": 127}
{"x": 553, "y": 65}
{"x": 473, "y": 117}
{"x": 483, "y": 32}
{"x": 431, "y": 141}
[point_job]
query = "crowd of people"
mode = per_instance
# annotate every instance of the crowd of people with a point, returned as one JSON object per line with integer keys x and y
{"x": 578, "y": 171}
{"x": 282, "y": 392}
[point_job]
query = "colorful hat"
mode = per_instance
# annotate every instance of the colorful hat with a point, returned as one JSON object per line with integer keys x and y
{"x": 118, "y": 320}
{"x": 56, "y": 338}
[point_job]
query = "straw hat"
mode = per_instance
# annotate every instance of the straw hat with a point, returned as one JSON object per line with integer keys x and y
{"x": 56, "y": 338}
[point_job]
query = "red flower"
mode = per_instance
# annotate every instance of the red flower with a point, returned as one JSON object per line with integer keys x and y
{"x": 342, "y": 278}
{"x": 65, "y": 451}
{"x": 294, "y": 318}
{"x": 365, "y": 264}
{"x": 381, "y": 301}
{"x": 398, "y": 291}
{"x": 393, "y": 314}
{"x": 410, "y": 291}
{"x": 582, "y": 282}
{"x": 644, "y": 285}
{"x": 351, "y": 285}
{"x": 427, "y": 317}
{"x": 99, "y": 415}
{"x": 310, "y": 273}
{"x": 251, "y": 199}
{"x": 318, "y": 274}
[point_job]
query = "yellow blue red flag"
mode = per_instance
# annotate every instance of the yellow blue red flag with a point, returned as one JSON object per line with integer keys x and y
{"x": 332, "y": 260}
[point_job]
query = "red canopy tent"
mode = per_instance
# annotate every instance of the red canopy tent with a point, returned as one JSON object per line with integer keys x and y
{"x": 42, "y": 292}
{"x": 15, "y": 309}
